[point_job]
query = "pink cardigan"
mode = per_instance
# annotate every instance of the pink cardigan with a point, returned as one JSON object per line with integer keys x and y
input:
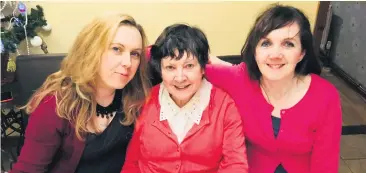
{"x": 309, "y": 138}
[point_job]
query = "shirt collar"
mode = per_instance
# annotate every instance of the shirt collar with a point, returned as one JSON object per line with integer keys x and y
{"x": 193, "y": 109}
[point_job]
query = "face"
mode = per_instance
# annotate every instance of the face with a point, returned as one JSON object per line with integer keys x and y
{"x": 182, "y": 78}
{"x": 278, "y": 53}
{"x": 122, "y": 59}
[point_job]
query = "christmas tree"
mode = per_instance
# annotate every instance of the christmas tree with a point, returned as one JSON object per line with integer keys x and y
{"x": 14, "y": 29}
{"x": 11, "y": 38}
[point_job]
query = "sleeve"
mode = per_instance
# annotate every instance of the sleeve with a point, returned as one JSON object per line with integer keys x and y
{"x": 42, "y": 140}
{"x": 326, "y": 149}
{"x": 131, "y": 164}
{"x": 234, "y": 149}
{"x": 226, "y": 77}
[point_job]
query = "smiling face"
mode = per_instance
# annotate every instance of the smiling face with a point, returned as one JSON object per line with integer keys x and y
{"x": 278, "y": 53}
{"x": 182, "y": 78}
{"x": 122, "y": 59}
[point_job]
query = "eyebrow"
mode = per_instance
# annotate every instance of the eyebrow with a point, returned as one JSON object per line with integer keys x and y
{"x": 289, "y": 39}
{"x": 139, "y": 49}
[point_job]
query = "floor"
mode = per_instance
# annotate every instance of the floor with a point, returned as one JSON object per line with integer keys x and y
{"x": 353, "y": 143}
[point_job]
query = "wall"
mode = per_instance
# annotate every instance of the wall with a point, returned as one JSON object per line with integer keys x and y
{"x": 349, "y": 40}
{"x": 225, "y": 23}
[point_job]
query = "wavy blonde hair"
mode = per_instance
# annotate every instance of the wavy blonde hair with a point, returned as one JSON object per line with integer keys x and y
{"x": 74, "y": 84}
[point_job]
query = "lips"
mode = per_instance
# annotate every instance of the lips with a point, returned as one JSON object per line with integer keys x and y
{"x": 181, "y": 87}
{"x": 275, "y": 66}
{"x": 123, "y": 74}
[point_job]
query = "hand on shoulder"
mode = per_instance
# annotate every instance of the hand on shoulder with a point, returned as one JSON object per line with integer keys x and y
{"x": 214, "y": 60}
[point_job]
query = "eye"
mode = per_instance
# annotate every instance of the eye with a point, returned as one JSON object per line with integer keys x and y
{"x": 189, "y": 66}
{"x": 169, "y": 67}
{"x": 135, "y": 55}
{"x": 116, "y": 49}
{"x": 289, "y": 44}
{"x": 265, "y": 43}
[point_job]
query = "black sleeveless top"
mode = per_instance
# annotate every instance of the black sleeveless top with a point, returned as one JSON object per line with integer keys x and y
{"x": 105, "y": 153}
{"x": 276, "y": 122}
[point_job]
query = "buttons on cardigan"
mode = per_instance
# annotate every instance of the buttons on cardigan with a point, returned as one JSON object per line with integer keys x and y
{"x": 177, "y": 166}
{"x": 283, "y": 112}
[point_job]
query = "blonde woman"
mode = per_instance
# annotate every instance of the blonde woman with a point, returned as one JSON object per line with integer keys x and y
{"x": 81, "y": 117}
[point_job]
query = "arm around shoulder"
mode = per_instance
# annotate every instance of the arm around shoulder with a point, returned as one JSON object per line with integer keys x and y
{"x": 226, "y": 77}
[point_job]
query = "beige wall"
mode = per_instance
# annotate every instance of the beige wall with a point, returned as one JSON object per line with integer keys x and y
{"x": 225, "y": 23}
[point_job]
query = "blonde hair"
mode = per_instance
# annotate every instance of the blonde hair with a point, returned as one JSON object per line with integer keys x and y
{"x": 74, "y": 84}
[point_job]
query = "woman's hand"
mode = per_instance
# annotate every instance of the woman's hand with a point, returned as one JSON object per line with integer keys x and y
{"x": 214, "y": 60}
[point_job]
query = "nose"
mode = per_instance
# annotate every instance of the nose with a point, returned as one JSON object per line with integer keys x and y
{"x": 126, "y": 59}
{"x": 276, "y": 52}
{"x": 180, "y": 76}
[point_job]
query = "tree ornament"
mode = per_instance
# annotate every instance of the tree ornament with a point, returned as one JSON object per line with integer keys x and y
{"x": 11, "y": 65}
{"x": 47, "y": 27}
{"x": 36, "y": 41}
{"x": 22, "y": 8}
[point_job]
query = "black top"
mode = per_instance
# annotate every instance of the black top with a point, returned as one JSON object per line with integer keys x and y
{"x": 276, "y": 122}
{"x": 105, "y": 153}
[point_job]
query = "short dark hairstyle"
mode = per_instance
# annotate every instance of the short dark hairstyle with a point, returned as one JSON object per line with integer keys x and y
{"x": 275, "y": 17}
{"x": 182, "y": 38}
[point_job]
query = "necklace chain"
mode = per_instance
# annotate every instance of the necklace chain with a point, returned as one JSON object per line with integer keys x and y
{"x": 265, "y": 90}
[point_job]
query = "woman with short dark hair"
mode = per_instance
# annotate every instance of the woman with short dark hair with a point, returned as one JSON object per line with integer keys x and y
{"x": 188, "y": 125}
{"x": 292, "y": 117}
